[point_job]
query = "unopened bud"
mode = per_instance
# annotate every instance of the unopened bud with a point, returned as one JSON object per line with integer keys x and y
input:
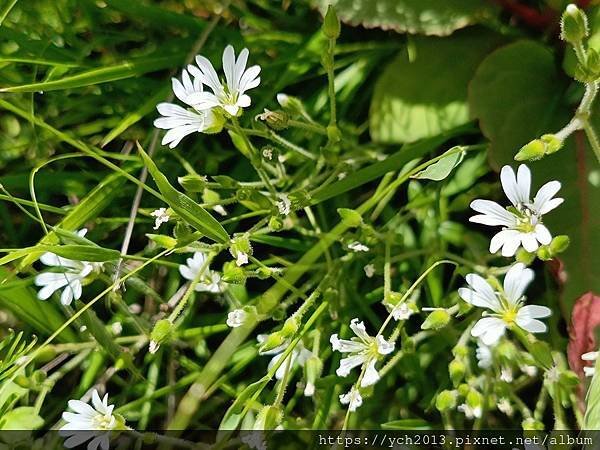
{"x": 313, "y": 369}
{"x": 272, "y": 341}
{"x": 232, "y": 273}
{"x": 192, "y": 183}
{"x": 559, "y": 244}
{"x": 350, "y": 217}
{"x": 268, "y": 418}
{"x": 160, "y": 333}
{"x": 446, "y": 400}
{"x": 292, "y": 105}
{"x": 275, "y": 223}
{"x": 331, "y": 23}
{"x": 436, "y": 320}
{"x": 573, "y": 25}
{"x": 457, "y": 370}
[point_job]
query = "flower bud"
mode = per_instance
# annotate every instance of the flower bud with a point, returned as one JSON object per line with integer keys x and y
{"x": 290, "y": 327}
{"x": 530, "y": 424}
{"x": 160, "y": 333}
{"x": 292, "y": 105}
{"x": 559, "y": 244}
{"x": 523, "y": 256}
{"x": 272, "y": 341}
{"x": 333, "y": 134}
{"x": 192, "y": 183}
{"x": 331, "y": 24}
{"x": 268, "y": 418}
{"x": 350, "y": 217}
{"x": 275, "y": 223}
{"x": 457, "y": 370}
{"x": 552, "y": 143}
{"x": 436, "y": 320}
{"x": 234, "y": 274}
{"x": 240, "y": 248}
{"x": 446, "y": 400}
{"x": 532, "y": 151}
{"x": 313, "y": 369}
{"x": 544, "y": 253}
{"x": 278, "y": 120}
{"x": 573, "y": 25}
{"x": 162, "y": 240}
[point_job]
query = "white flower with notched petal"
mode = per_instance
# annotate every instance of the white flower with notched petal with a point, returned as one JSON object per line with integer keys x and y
{"x": 197, "y": 269}
{"x": 364, "y": 350}
{"x": 230, "y": 96}
{"x": 88, "y": 420}
{"x": 522, "y": 221}
{"x": 299, "y": 355}
{"x": 70, "y": 276}
{"x": 507, "y": 306}
{"x": 236, "y": 318}
{"x": 353, "y": 399}
{"x": 180, "y": 121}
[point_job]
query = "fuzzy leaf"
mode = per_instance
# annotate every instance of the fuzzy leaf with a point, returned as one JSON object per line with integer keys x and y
{"x": 441, "y": 169}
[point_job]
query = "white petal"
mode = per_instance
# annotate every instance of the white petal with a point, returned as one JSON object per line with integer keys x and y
{"x": 81, "y": 407}
{"x": 531, "y": 325}
{"x": 516, "y": 281}
{"x": 207, "y": 73}
{"x": 489, "y": 330}
{"x": 250, "y": 79}
{"x": 542, "y": 234}
{"x": 512, "y": 241}
{"x": 491, "y": 214}
{"x": 483, "y": 294}
{"x": 349, "y": 363}
{"x": 543, "y": 202}
{"x": 529, "y": 242}
{"x": 67, "y": 296}
{"x": 360, "y": 330}
{"x": 231, "y": 109}
{"x": 244, "y": 101}
{"x": 509, "y": 184}
{"x": 229, "y": 68}
{"x": 500, "y": 239}
{"x": 534, "y": 312}
{"x": 523, "y": 183}
{"x": 371, "y": 375}
{"x": 384, "y": 347}
{"x": 345, "y": 345}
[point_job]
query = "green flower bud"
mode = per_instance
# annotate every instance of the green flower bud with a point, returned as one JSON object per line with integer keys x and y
{"x": 552, "y": 143}
{"x": 463, "y": 389}
{"x": 162, "y": 240}
{"x": 292, "y": 105}
{"x": 273, "y": 340}
{"x": 457, "y": 370}
{"x": 523, "y": 256}
{"x": 532, "y": 151}
{"x": 210, "y": 196}
{"x": 275, "y": 223}
{"x": 559, "y": 244}
{"x": 446, "y": 400}
{"x": 160, "y": 333}
{"x": 544, "y": 253}
{"x": 232, "y": 273}
{"x": 436, "y": 320}
{"x": 290, "y": 327}
{"x": 530, "y": 424}
{"x": 333, "y": 134}
{"x": 350, "y": 217}
{"x": 313, "y": 369}
{"x": 264, "y": 272}
{"x": 268, "y": 418}
{"x": 331, "y": 24}
{"x": 573, "y": 25}
{"x": 192, "y": 183}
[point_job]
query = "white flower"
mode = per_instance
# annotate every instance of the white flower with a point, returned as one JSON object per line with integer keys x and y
{"x": 299, "y": 355}
{"x": 369, "y": 270}
{"x": 364, "y": 350}
{"x": 522, "y": 222}
{"x": 469, "y": 411}
{"x": 507, "y": 306}
{"x": 180, "y": 122}
{"x": 505, "y": 407}
{"x": 230, "y": 96}
{"x": 87, "y": 418}
{"x": 590, "y": 356}
{"x": 402, "y": 311}
{"x": 353, "y": 399}
{"x": 506, "y": 374}
{"x": 241, "y": 259}
{"x": 210, "y": 281}
{"x": 219, "y": 210}
{"x": 529, "y": 370}
{"x": 284, "y": 205}
{"x": 70, "y": 277}
{"x": 483, "y": 353}
{"x": 236, "y": 318}
{"x": 160, "y": 216}
{"x": 358, "y": 247}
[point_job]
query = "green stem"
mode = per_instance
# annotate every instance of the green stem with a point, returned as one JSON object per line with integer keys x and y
{"x": 331, "y": 83}
{"x": 592, "y": 138}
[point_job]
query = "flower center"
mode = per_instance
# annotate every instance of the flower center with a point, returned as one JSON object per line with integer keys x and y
{"x": 526, "y": 218}
{"x": 103, "y": 422}
{"x": 509, "y": 315}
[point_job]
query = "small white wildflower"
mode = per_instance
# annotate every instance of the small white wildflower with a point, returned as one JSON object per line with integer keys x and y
{"x": 117, "y": 328}
{"x": 483, "y": 355}
{"x": 241, "y": 259}
{"x": 70, "y": 278}
{"x": 506, "y": 374}
{"x": 505, "y": 407}
{"x": 590, "y": 356}
{"x": 469, "y": 411}
{"x": 402, "y": 311}
{"x": 236, "y": 318}
{"x": 219, "y": 210}
{"x": 341, "y": 175}
{"x": 230, "y": 96}
{"x": 268, "y": 153}
{"x": 364, "y": 350}
{"x": 210, "y": 281}
{"x": 369, "y": 270}
{"x": 160, "y": 216}
{"x": 353, "y": 399}
{"x": 530, "y": 371}
{"x": 284, "y": 205}
{"x": 507, "y": 306}
{"x": 298, "y": 356}
{"x": 358, "y": 247}
{"x": 523, "y": 221}
{"x": 153, "y": 347}
{"x": 82, "y": 329}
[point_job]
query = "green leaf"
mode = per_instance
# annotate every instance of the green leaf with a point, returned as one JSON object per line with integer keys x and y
{"x": 407, "y": 424}
{"x": 437, "y": 17}
{"x": 516, "y": 103}
{"x": 71, "y": 251}
{"x": 233, "y": 416}
{"x": 441, "y": 169}
{"x": 421, "y": 96}
{"x": 22, "y": 418}
{"x": 185, "y": 207}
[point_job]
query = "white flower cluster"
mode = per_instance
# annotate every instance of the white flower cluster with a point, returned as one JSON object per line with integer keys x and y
{"x": 207, "y": 109}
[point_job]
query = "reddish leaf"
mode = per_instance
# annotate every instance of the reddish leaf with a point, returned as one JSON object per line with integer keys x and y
{"x": 584, "y": 321}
